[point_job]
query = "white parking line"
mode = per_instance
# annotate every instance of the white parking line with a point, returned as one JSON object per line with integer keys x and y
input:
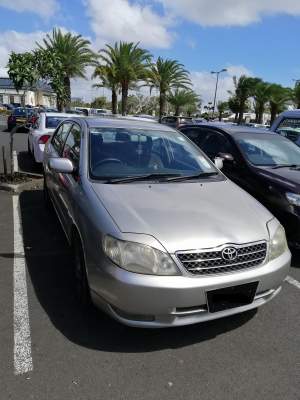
{"x": 22, "y": 339}
{"x": 16, "y": 164}
{"x": 293, "y": 281}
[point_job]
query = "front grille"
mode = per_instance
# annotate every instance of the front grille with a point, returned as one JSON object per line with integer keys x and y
{"x": 207, "y": 262}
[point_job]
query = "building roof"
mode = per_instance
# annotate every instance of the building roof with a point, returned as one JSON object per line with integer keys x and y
{"x": 6, "y": 83}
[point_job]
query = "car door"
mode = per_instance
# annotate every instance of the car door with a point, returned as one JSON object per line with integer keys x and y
{"x": 69, "y": 184}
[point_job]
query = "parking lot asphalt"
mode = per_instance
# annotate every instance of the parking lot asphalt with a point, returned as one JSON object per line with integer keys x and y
{"x": 78, "y": 355}
{"x": 86, "y": 355}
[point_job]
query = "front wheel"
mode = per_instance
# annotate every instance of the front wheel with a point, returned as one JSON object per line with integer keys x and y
{"x": 82, "y": 288}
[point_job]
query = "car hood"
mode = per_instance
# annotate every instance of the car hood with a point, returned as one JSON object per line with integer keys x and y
{"x": 186, "y": 215}
{"x": 290, "y": 178}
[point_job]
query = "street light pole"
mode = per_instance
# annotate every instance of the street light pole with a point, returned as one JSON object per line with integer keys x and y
{"x": 216, "y": 89}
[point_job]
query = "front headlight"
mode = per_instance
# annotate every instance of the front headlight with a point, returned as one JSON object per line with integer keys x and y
{"x": 278, "y": 243}
{"x": 139, "y": 258}
{"x": 293, "y": 198}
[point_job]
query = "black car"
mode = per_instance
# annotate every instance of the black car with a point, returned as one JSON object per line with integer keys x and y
{"x": 265, "y": 164}
{"x": 18, "y": 117}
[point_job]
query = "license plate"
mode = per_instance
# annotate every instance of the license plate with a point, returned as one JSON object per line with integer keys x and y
{"x": 231, "y": 297}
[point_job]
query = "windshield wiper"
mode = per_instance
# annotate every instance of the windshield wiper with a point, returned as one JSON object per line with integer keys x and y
{"x": 295, "y": 166}
{"x": 196, "y": 176}
{"x": 145, "y": 177}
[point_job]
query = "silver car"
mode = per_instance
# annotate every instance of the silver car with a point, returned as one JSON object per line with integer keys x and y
{"x": 160, "y": 236}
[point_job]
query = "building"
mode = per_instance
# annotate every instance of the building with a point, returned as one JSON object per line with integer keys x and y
{"x": 39, "y": 94}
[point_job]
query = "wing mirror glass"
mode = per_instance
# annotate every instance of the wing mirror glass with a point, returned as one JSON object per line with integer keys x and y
{"x": 62, "y": 165}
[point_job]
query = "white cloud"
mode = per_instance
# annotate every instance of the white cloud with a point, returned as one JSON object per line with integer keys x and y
{"x": 204, "y": 82}
{"x": 44, "y": 8}
{"x": 229, "y": 12}
{"x": 122, "y": 20}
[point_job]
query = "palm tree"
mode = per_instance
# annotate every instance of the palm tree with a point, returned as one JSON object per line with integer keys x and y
{"x": 296, "y": 96}
{"x": 222, "y": 107}
{"x": 184, "y": 97}
{"x": 261, "y": 96}
{"x": 279, "y": 96}
{"x": 166, "y": 75}
{"x": 130, "y": 63}
{"x": 108, "y": 76}
{"x": 74, "y": 54}
{"x": 244, "y": 88}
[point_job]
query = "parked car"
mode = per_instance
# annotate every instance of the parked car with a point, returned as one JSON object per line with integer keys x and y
{"x": 19, "y": 116}
{"x": 41, "y": 130}
{"x": 160, "y": 236}
{"x": 264, "y": 164}
{"x": 288, "y": 124}
{"x": 175, "y": 121}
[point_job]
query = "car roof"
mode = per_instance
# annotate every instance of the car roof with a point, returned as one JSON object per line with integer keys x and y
{"x": 291, "y": 114}
{"x": 119, "y": 122}
{"x": 230, "y": 128}
{"x": 58, "y": 114}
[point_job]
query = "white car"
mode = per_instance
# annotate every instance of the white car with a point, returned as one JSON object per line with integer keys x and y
{"x": 42, "y": 130}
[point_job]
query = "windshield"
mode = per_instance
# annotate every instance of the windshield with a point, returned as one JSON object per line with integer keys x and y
{"x": 119, "y": 152}
{"x": 52, "y": 122}
{"x": 273, "y": 150}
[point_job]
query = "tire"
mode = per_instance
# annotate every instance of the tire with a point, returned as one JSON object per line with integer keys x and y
{"x": 82, "y": 289}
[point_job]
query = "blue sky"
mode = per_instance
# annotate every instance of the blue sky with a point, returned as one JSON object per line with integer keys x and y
{"x": 256, "y": 37}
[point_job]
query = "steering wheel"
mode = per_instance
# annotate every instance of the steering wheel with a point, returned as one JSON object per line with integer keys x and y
{"x": 107, "y": 160}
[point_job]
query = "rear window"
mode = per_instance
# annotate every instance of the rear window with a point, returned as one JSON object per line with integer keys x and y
{"x": 53, "y": 122}
{"x": 20, "y": 112}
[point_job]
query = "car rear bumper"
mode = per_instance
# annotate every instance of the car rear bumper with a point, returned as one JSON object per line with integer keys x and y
{"x": 160, "y": 301}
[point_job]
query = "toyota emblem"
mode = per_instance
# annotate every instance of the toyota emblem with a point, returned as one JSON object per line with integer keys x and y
{"x": 229, "y": 253}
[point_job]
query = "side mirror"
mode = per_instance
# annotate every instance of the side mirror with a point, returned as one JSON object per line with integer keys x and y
{"x": 218, "y": 162}
{"x": 62, "y": 165}
{"x": 226, "y": 156}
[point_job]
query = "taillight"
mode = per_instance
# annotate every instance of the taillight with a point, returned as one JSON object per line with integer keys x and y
{"x": 44, "y": 139}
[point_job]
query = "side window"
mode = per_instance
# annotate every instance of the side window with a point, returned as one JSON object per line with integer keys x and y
{"x": 195, "y": 134}
{"x": 72, "y": 146}
{"x": 59, "y": 137}
{"x": 215, "y": 143}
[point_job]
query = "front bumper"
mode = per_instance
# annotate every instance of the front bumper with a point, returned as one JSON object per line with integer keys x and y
{"x": 165, "y": 301}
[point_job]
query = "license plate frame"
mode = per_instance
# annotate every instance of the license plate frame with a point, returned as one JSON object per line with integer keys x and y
{"x": 231, "y": 297}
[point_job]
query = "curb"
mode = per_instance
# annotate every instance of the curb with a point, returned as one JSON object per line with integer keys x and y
{"x": 20, "y": 187}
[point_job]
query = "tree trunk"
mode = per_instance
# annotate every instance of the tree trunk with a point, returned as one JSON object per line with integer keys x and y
{"x": 220, "y": 115}
{"x": 236, "y": 117}
{"x": 124, "y": 98}
{"x": 241, "y": 113}
{"x": 114, "y": 101}
{"x": 59, "y": 103}
{"x": 273, "y": 113}
{"x": 298, "y": 105}
{"x": 177, "y": 110}
{"x": 162, "y": 102}
{"x": 261, "y": 111}
{"x": 67, "y": 86}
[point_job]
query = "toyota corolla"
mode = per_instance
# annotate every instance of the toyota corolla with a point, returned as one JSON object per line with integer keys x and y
{"x": 160, "y": 236}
